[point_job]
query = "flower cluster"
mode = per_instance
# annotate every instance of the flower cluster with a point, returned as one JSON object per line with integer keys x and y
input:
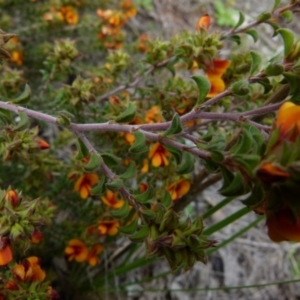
{"x": 84, "y": 184}
{"x": 112, "y": 22}
{"x": 112, "y": 199}
{"x": 179, "y": 188}
{"x": 67, "y": 14}
{"x": 214, "y": 73}
{"x": 279, "y": 174}
{"x": 14, "y": 46}
{"x": 25, "y": 276}
{"x": 79, "y": 251}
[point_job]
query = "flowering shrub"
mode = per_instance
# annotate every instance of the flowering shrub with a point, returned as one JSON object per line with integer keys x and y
{"x": 107, "y": 140}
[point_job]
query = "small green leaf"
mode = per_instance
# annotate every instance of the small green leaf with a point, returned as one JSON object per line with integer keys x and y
{"x": 130, "y": 228}
{"x": 5, "y": 116}
{"x": 94, "y": 162}
{"x": 175, "y": 152}
{"x": 256, "y": 62}
{"x": 82, "y": 150}
{"x": 139, "y": 144}
{"x": 130, "y": 172}
{"x": 211, "y": 166}
{"x": 209, "y": 134}
{"x": 240, "y": 21}
{"x": 217, "y": 156}
{"x": 274, "y": 69}
{"x": 23, "y": 123}
{"x": 227, "y": 177}
{"x": 110, "y": 160}
{"x": 187, "y": 165}
{"x": 235, "y": 38}
{"x": 122, "y": 212}
{"x": 264, "y": 17}
{"x": 236, "y": 188}
{"x": 288, "y": 16}
{"x": 98, "y": 189}
{"x": 288, "y": 39}
{"x": 115, "y": 184}
{"x": 128, "y": 115}
{"x": 274, "y": 136}
{"x": 241, "y": 88}
{"x": 255, "y": 197}
{"x": 24, "y": 98}
{"x": 141, "y": 235}
{"x": 293, "y": 79}
{"x": 167, "y": 200}
{"x": 274, "y": 26}
{"x": 146, "y": 196}
{"x": 265, "y": 82}
{"x": 247, "y": 161}
{"x": 148, "y": 213}
{"x": 253, "y": 33}
{"x": 175, "y": 127}
{"x": 203, "y": 87}
{"x": 244, "y": 144}
{"x": 275, "y": 5}
{"x": 64, "y": 118}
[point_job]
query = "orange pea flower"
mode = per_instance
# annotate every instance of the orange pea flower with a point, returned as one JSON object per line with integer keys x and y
{"x": 214, "y": 74}
{"x": 17, "y": 57}
{"x": 270, "y": 172}
{"x": 108, "y": 227}
{"x": 85, "y": 183}
{"x": 145, "y": 167}
{"x": 93, "y": 258}
{"x": 158, "y": 155}
{"x": 288, "y": 120}
{"x": 12, "y": 197}
{"x": 11, "y": 285}
{"x": 129, "y": 9}
{"x": 6, "y": 255}
{"x": 179, "y": 188}
{"x": 153, "y": 115}
{"x": 77, "y": 250}
{"x": 70, "y": 15}
{"x": 142, "y": 46}
{"x": 29, "y": 270}
{"x": 143, "y": 187}
{"x": 43, "y": 145}
{"x": 112, "y": 199}
{"x": 203, "y": 22}
{"x": 283, "y": 225}
{"x": 36, "y": 237}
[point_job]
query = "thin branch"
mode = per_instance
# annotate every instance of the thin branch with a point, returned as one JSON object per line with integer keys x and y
{"x": 274, "y": 15}
{"x": 29, "y": 112}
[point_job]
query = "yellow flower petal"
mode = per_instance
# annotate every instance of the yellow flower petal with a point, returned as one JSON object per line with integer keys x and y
{"x": 288, "y": 116}
{"x": 119, "y": 204}
{"x": 84, "y": 191}
{"x": 78, "y": 183}
{"x": 156, "y": 160}
{"x": 153, "y": 149}
{"x": 217, "y": 86}
{"x": 183, "y": 187}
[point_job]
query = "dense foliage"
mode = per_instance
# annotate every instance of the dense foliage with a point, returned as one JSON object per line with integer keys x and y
{"x": 108, "y": 133}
